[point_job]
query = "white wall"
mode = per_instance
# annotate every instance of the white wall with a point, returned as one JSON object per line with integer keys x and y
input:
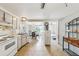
{"x": 62, "y": 29}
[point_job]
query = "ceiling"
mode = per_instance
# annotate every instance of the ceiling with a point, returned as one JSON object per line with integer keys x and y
{"x": 33, "y": 11}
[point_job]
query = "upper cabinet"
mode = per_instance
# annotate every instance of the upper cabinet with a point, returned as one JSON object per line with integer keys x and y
{"x": 8, "y": 18}
{"x": 5, "y": 20}
{"x": 1, "y": 16}
{"x": 14, "y": 22}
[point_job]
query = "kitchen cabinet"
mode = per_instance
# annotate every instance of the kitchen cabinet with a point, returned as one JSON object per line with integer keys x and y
{"x": 24, "y": 40}
{"x": 8, "y": 47}
{"x": 21, "y": 40}
{"x": 19, "y": 44}
{"x": 1, "y": 16}
{"x": 8, "y": 18}
{"x": 14, "y": 23}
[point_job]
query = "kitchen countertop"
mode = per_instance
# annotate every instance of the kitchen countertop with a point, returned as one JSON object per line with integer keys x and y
{"x": 5, "y": 38}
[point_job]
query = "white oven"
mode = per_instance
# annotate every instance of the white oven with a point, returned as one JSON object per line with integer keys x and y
{"x": 8, "y": 47}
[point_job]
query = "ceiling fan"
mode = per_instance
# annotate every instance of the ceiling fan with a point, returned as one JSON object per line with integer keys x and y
{"x": 66, "y": 4}
{"x": 43, "y": 5}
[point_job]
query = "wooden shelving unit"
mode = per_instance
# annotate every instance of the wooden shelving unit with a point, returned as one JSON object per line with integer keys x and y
{"x": 71, "y": 35}
{"x": 72, "y": 41}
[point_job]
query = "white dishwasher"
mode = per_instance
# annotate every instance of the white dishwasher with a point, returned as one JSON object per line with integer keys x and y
{"x": 19, "y": 43}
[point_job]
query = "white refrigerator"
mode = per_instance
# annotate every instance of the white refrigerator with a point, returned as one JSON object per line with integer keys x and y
{"x": 47, "y": 37}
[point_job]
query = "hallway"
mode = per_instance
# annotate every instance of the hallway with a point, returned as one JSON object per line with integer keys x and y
{"x": 37, "y": 48}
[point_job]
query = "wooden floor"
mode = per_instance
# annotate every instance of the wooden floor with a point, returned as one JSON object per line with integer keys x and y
{"x": 37, "y": 48}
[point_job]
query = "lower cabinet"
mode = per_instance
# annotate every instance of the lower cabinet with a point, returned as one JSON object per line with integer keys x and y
{"x": 19, "y": 44}
{"x": 21, "y": 41}
{"x": 24, "y": 40}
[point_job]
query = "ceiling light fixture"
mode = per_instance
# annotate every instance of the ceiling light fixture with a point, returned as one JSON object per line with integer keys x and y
{"x": 23, "y": 18}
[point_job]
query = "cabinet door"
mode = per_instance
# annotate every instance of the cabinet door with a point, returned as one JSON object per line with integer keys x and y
{"x": 24, "y": 40}
{"x": 14, "y": 23}
{"x": 8, "y": 18}
{"x": 1, "y": 16}
{"x": 19, "y": 42}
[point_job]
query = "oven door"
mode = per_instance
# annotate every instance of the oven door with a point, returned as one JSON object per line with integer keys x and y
{"x": 8, "y": 47}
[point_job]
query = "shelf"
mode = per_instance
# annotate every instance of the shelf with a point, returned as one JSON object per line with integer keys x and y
{"x": 72, "y": 41}
{"x": 71, "y": 52}
{"x": 72, "y": 30}
{"x": 73, "y": 24}
{"x": 77, "y": 24}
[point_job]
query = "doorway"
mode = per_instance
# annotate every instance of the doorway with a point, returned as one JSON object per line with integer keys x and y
{"x": 37, "y": 27}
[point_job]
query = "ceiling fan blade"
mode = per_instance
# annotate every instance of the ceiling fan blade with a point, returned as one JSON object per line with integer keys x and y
{"x": 42, "y": 5}
{"x": 66, "y": 4}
